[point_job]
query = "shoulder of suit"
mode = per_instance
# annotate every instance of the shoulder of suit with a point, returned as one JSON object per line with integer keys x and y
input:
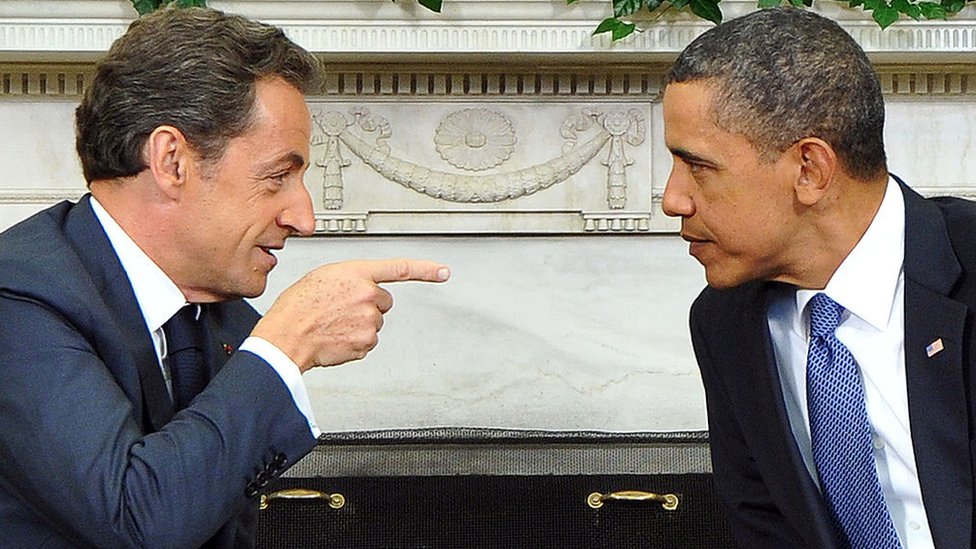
{"x": 38, "y": 262}
{"x": 960, "y": 222}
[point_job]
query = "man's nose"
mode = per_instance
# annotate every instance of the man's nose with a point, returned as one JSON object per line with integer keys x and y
{"x": 677, "y": 201}
{"x": 298, "y": 215}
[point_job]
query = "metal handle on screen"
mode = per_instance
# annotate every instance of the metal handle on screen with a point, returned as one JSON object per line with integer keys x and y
{"x": 668, "y": 501}
{"x": 336, "y": 501}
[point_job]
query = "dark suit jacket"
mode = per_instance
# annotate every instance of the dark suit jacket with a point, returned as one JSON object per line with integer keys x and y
{"x": 90, "y": 453}
{"x": 759, "y": 473}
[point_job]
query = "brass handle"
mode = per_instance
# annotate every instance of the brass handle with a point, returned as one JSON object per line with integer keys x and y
{"x": 336, "y": 501}
{"x": 668, "y": 501}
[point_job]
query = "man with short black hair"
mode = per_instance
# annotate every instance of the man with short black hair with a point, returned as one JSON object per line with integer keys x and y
{"x": 837, "y": 337}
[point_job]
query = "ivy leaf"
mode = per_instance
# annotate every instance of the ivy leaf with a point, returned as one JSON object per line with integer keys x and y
{"x": 654, "y": 4}
{"x": 884, "y": 15}
{"x": 678, "y": 4}
{"x": 871, "y": 5}
{"x": 764, "y": 4}
{"x": 617, "y": 28}
{"x": 931, "y": 10}
{"x": 191, "y": 3}
{"x": 855, "y": 3}
{"x": 623, "y": 8}
{"x": 908, "y": 8}
{"x": 568, "y": 2}
{"x": 707, "y": 9}
{"x": 953, "y": 6}
{"x": 623, "y": 31}
{"x": 145, "y": 6}
{"x": 432, "y": 5}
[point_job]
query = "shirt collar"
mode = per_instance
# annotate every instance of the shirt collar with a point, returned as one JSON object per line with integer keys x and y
{"x": 156, "y": 294}
{"x": 865, "y": 282}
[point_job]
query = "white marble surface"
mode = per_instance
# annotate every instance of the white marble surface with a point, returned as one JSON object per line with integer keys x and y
{"x": 530, "y": 332}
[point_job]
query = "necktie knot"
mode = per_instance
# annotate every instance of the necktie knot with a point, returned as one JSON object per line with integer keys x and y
{"x": 824, "y": 315}
{"x": 182, "y": 331}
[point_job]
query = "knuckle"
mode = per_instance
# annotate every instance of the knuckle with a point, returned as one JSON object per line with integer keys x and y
{"x": 402, "y": 269}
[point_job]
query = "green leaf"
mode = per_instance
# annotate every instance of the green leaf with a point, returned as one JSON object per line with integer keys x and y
{"x": 908, "y": 8}
{"x": 568, "y": 2}
{"x": 871, "y": 5}
{"x": 953, "y": 6}
{"x": 145, "y": 6}
{"x": 607, "y": 25}
{"x": 764, "y": 4}
{"x": 884, "y": 16}
{"x": 191, "y": 3}
{"x": 654, "y": 4}
{"x": 623, "y": 8}
{"x": 931, "y": 10}
{"x": 855, "y": 3}
{"x": 432, "y": 5}
{"x": 678, "y": 4}
{"x": 617, "y": 28}
{"x": 623, "y": 31}
{"x": 707, "y": 9}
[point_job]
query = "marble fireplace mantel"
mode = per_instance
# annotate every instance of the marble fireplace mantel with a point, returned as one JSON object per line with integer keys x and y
{"x": 497, "y": 31}
{"x": 568, "y": 306}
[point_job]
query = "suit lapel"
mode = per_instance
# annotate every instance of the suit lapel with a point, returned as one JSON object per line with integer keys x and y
{"x": 146, "y": 387}
{"x": 770, "y": 432}
{"x": 937, "y": 402}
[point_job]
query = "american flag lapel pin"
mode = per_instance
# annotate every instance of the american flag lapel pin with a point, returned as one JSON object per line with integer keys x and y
{"x": 934, "y": 348}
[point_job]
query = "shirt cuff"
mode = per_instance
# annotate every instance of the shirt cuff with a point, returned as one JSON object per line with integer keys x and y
{"x": 289, "y": 373}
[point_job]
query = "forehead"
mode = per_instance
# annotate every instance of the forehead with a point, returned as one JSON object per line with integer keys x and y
{"x": 280, "y": 107}
{"x": 691, "y": 130}
{"x": 687, "y": 106}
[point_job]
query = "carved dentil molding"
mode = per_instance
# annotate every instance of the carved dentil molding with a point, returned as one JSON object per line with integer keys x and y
{"x": 40, "y": 80}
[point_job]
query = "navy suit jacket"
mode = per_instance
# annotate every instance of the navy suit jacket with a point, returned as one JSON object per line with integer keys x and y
{"x": 90, "y": 451}
{"x": 758, "y": 470}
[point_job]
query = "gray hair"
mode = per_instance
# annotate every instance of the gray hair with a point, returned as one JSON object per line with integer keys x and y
{"x": 782, "y": 74}
{"x": 194, "y": 69}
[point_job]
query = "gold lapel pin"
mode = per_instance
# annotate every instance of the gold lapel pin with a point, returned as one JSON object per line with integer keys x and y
{"x": 934, "y": 348}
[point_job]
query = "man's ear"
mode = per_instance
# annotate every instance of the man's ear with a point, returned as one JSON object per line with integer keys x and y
{"x": 169, "y": 157}
{"x": 818, "y": 165}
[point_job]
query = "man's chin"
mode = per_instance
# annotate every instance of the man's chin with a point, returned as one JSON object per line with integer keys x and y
{"x": 723, "y": 280}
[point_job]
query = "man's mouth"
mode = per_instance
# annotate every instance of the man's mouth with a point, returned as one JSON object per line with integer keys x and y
{"x": 269, "y": 251}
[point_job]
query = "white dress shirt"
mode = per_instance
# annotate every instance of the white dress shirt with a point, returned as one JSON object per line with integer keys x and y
{"x": 869, "y": 284}
{"x": 159, "y": 299}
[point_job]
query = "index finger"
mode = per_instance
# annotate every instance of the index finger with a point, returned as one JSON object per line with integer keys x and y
{"x": 401, "y": 270}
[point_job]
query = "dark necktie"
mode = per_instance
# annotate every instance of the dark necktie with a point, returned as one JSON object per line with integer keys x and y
{"x": 185, "y": 347}
{"x": 841, "y": 435}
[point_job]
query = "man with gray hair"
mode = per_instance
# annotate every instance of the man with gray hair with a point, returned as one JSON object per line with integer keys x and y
{"x": 144, "y": 403}
{"x": 837, "y": 337}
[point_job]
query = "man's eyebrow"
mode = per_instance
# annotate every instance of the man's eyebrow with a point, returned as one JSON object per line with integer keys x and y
{"x": 690, "y": 157}
{"x": 290, "y": 160}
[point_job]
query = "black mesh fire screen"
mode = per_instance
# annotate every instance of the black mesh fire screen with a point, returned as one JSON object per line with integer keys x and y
{"x": 488, "y": 488}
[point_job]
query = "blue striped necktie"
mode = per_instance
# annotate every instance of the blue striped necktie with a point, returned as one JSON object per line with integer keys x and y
{"x": 185, "y": 348}
{"x": 841, "y": 435}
